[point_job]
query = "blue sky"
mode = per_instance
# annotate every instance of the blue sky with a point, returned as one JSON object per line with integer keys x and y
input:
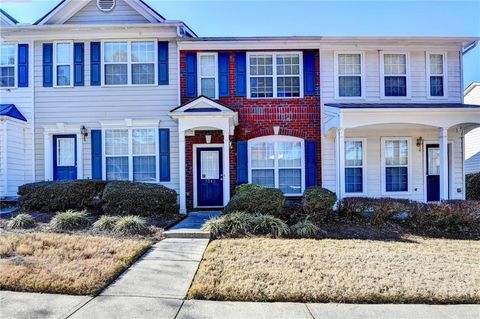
{"x": 272, "y": 18}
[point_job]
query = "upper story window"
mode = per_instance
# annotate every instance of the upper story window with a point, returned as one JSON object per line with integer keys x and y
{"x": 129, "y": 62}
{"x": 208, "y": 74}
{"x": 436, "y": 71}
{"x": 394, "y": 71}
{"x": 8, "y": 65}
{"x": 349, "y": 71}
{"x": 274, "y": 74}
{"x": 63, "y": 60}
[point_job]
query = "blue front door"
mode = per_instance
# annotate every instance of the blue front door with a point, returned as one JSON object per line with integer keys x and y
{"x": 64, "y": 157}
{"x": 209, "y": 177}
{"x": 433, "y": 172}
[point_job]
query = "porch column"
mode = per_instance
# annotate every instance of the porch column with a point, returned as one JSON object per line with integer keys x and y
{"x": 226, "y": 167}
{"x": 181, "y": 164}
{"x": 443, "y": 141}
{"x": 340, "y": 161}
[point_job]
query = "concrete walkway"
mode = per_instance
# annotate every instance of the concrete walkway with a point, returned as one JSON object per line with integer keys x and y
{"x": 191, "y": 226}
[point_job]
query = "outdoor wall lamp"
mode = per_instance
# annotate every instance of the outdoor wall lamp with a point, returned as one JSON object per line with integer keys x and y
{"x": 208, "y": 139}
{"x": 420, "y": 143}
{"x": 84, "y": 132}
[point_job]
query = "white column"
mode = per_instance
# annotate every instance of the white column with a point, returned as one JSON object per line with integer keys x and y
{"x": 48, "y": 158}
{"x": 181, "y": 164}
{"x": 340, "y": 162}
{"x": 443, "y": 141}
{"x": 226, "y": 167}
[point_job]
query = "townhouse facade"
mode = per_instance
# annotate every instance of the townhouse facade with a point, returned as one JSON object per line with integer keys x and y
{"x": 472, "y": 138}
{"x": 112, "y": 90}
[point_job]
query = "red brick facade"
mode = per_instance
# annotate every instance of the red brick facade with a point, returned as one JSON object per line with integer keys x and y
{"x": 299, "y": 117}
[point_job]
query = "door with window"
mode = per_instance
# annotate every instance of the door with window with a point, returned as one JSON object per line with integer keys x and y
{"x": 433, "y": 172}
{"x": 209, "y": 177}
{"x": 64, "y": 157}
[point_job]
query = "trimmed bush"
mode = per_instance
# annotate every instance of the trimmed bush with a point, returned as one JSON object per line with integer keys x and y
{"x": 131, "y": 225}
{"x": 267, "y": 224}
{"x": 378, "y": 209}
{"x": 106, "y": 223}
{"x": 293, "y": 213}
{"x": 472, "y": 182}
{"x": 246, "y": 188}
{"x": 304, "y": 228}
{"x": 61, "y": 195}
{"x": 128, "y": 198}
{"x": 21, "y": 221}
{"x": 70, "y": 220}
{"x": 318, "y": 202}
{"x": 254, "y": 199}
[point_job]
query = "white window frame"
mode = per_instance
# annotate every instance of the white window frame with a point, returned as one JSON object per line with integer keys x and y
{"x": 129, "y": 62}
{"x": 199, "y": 75}
{"x": 362, "y": 75}
{"x": 15, "y": 66}
{"x": 444, "y": 74}
{"x": 55, "y": 64}
{"x": 409, "y": 166}
{"x": 130, "y": 154}
{"x": 364, "y": 167}
{"x": 275, "y": 139}
{"x": 274, "y": 73}
{"x": 406, "y": 75}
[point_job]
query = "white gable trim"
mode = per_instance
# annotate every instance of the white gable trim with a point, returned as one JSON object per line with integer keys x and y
{"x": 200, "y": 102}
{"x": 7, "y": 19}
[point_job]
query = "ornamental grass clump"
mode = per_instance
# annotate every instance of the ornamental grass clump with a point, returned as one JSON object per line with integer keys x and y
{"x": 131, "y": 225}
{"x": 304, "y": 229}
{"x": 70, "y": 220}
{"x": 106, "y": 223}
{"x": 21, "y": 221}
{"x": 269, "y": 225}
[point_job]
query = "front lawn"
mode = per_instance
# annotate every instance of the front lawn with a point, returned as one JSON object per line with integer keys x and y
{"x": 415, "y": 270}
{"x": 62, "y": 263}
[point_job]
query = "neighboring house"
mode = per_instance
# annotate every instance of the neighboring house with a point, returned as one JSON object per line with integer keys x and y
{"x": 472, "y": 139}
{"x": 112, "y": 90}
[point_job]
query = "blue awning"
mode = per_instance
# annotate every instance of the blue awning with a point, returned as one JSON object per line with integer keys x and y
{"x": 11, "y": 111}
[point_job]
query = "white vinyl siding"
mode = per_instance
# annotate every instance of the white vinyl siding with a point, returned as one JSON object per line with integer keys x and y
{"x": 121, "y": 13}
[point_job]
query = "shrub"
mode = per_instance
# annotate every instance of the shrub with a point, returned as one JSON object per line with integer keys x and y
{"x": 254, "y": 199}
{"x": 70, "y": 220}
{"x": 61, "y": 195}
{"x": 21, "y": 221}
{"x": 106, "y": 223}
{"x": 128, "y": 198}
{"x": 304, "y": 228}
{"x": 318, "y": 202}
{"x": 131, "y": 225}
{"x": 472, "y": 183}
{"x": 246, "y": 188}
{"x": 293, "y": 213}
{"x": 267, "y": 224}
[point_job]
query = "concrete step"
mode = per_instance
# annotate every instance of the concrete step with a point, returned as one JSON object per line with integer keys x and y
{"x": 187, "y": 233}
{"x": 191, "y": 226}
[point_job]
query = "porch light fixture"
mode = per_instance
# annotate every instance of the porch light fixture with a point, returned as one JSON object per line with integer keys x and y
{"x": 208, "y": 139}
{"x": 84, "y": 132}
{"x": 276, "y": 130}
{"x": 420, "y": 143}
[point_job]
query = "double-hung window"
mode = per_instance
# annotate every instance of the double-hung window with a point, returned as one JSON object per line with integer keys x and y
{"x": 63, "y": 68}
{"x": 394, "y": 70}
{"x": 354, "y": 165}
{"x": 272, "y": 75}
{"x": 129, "y": 63}
{"x": 396, "y": 164}
{"x": 349, "y": 73}
{"x": 436, "y": 74}
{"x": 208, "y": 75}
{"x": 277, "y": 162}
{"x": 8, "y": 65}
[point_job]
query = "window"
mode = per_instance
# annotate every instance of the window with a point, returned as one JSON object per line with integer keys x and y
{"x": 274, "y": 75}
{"x": 396, "y": 161}
{"x": 8, "y": 65}
{"x": 394, "y": 71}
{"x": 207, "y": 75}
{"x": 131, "y": 154}
{"x": 349, "y": 72}
{"x": 277, "y": 161}
{"x": 63, "y": 60}
{"x": 436, "y": 74}
{"x": 354, "y": 164}
{"x": 130, "y": 62}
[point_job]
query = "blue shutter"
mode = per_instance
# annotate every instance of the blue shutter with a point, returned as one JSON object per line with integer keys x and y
{"x": 47, "y": 64}
{"x": 78, "y": 64}
{"x": 162, "y": 63}
{"x": 309, "y": 73}
{"x": 191, "y": 74}
{"x": 96, "y": 154}
{"x": 164, "y": 154}
{"x": 95, "y": 63}
{"x": 23, "y": 65}
{"x": 242, "y": 162}
{"x": 224, "y": 74}
{"x": 241, "y": 73}
{"x": 310, "y": 163}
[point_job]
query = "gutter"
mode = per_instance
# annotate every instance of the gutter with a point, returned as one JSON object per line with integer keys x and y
{"x": 469, "y": 47}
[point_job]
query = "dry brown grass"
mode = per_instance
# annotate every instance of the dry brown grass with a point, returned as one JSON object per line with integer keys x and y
{"x": 357, "y": 271}
{"x": 59, "y": 263}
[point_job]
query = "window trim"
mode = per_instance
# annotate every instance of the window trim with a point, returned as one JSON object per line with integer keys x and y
{"x": 55, "y": 64}
{"x": 199, "y": 73}
{"x": 129, "y": 62}
{"x": 444, "y": 74}
{"x": 382, "y": 75}
{"x": 337, "y": 75}
{"x": 409, "y": 165}
{"x": 364, "y": 167}
{"x": 275, "y": 139}
{"x": 15, "y": 66}
{"x": 274, "y": 74}
{"x": 130, "y": 154}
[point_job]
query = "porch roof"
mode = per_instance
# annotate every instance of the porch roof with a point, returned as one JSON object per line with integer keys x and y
{"x": 11, "y": 110}
{"x": 401, "y": 105}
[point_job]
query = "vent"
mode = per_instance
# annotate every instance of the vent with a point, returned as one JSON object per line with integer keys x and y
{"x": 106, "y": 5}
